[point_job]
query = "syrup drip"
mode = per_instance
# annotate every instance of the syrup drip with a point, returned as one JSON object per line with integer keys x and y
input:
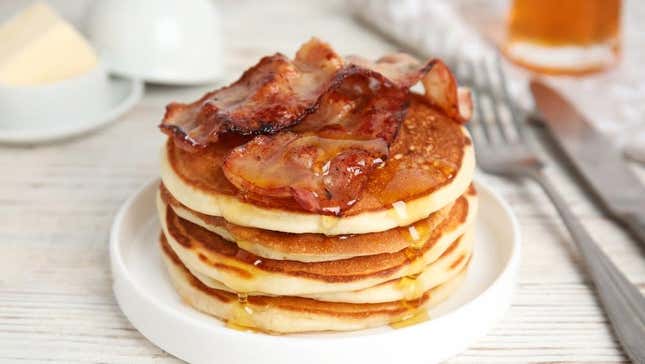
{"x": 446, "y": 168}
{"x": 417, "y": 239}
{"x": 400, "y": 211}
{"x": 328, "y": 223}
{"x": 414, "y": 234}
{"x": 241, "y": 315}
{"x": 418, "y": 235}
{"x": 416, "y": 265}
{"x": 411, "y": 254}
{"x": 408, "y": 306}
{"x": 410, "y": 319}
{"x": 411, "y": 287}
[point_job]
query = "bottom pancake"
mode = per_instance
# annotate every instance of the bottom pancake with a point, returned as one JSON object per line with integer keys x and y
{"x": 283, "y": 314}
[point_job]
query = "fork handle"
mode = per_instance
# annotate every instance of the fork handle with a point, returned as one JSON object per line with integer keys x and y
{"x": 622, "y": 301}
{"x": 636, "y": 224}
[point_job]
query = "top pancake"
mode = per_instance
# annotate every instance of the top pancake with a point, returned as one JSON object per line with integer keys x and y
{"x": 431, "y": 164}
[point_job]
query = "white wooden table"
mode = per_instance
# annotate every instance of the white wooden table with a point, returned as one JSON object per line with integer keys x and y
{"x": 57, "y": 203}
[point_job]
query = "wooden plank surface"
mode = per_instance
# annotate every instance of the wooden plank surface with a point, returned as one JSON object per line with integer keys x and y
{"x": 57, "y": 203}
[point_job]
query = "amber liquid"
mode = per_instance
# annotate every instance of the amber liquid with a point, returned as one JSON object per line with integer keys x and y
{"x": 551, "y": 28}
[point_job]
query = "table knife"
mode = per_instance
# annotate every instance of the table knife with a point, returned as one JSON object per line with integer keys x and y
{"x": 594, "y": 157}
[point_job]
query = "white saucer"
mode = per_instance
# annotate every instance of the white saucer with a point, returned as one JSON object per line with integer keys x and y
{"x": 143, "y": 291}
{"x": 124, "y": 93}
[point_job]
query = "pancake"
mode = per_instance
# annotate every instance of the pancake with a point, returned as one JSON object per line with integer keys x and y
{"x": 431, "y": 164}
{"x": 310, "y": 247}
{"x": 209, "y": 254}
{"x": 451, "y": 262}
{"x": 295, "y": 314}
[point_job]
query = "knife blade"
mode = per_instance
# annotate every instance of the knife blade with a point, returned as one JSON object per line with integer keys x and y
{"x": 594, "y": 157}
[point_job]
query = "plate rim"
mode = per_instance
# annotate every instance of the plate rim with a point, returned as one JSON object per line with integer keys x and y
{"x": 119, "y": 269}
{"x": 35, "y": 136}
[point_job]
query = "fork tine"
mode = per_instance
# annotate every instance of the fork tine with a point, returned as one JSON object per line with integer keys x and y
{"x": 488, "y": 84}
{"x": 507, "y": 98}
{"x": 478, "y": 119}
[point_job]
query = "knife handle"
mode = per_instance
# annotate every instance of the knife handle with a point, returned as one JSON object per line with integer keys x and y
{"x": 636, "y": 223}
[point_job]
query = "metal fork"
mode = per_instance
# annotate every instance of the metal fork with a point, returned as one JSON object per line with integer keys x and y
{"x": 502, "y": 149}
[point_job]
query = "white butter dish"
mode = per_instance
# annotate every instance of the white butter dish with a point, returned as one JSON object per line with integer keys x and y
{"x": 41, "y": 113}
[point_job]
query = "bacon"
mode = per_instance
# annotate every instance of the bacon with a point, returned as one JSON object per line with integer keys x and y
{"x": 365, "y": 105}
{"x": 272, "y": 95}
{"x": 440, "y": 85}
{"x": 465, "y": 102}
{"x": 400, "y": 68}
{"x": 441, "y": 91}
{"x": 321, "y": 124}
{"x": 324, "y": 161}
{"x": 321, "y": 174}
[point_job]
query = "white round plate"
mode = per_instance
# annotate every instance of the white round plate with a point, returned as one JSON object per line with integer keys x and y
{"x": 124, "y": 94}
{"x": 144, "y": 292}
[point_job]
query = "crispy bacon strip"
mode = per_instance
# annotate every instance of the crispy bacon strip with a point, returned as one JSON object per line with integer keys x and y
{"x": 441, "y": 91}
{"x": 321, "y": 174}
{"x": 365, "y": 105}
{"x": 272, "y": 95}
{"x": 324, "y": 161}
{"x": 440, "y": 85}
{"x": 400, "y": 68}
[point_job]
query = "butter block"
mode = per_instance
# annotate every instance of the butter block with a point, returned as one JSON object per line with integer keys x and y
{"x": 37, "y": 46}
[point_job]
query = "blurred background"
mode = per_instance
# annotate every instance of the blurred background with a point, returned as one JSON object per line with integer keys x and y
{"x": 599, "y": 42}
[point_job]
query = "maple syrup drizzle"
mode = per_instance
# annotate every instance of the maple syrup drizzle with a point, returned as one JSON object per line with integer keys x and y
{"x": 446, "y": 168}
{"x": 328, "y": 223}
{"x": 241, "y": 318}
{"x": 400, "y": 211}
{"x": 418, "y": 235}
{"x": 412, "y": 318}
{"x": 411, "y": 287}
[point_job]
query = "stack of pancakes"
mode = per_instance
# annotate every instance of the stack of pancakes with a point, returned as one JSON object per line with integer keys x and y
{"x": 269, "y": 265}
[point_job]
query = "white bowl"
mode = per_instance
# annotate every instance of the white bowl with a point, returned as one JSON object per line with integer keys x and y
{"x": 162, "y": 41}
{"x": 38, "y": 106}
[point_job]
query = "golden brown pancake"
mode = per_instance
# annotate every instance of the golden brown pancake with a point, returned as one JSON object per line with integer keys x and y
{"x": 311, "y": 247}
{"x": 450, "y": 263}
{"x": 285, "y": 314}
{"x": 211, "y": 255}
{"x": 431, "y": 163}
